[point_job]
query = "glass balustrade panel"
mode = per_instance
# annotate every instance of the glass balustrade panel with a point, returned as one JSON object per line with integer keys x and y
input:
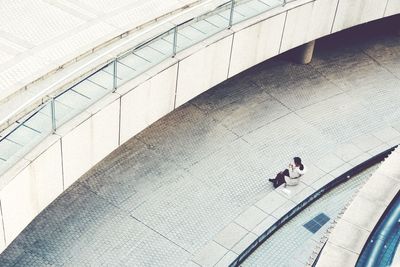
{"x": 247, "y": 9}
{"x": 26, "y": 133}
{"x": 144, "y": 57}
{"x": 201, "y": 28}
{"x": 82, "y": 95}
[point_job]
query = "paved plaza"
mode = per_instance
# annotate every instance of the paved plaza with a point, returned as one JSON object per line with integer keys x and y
{"x": 167, "y": 196}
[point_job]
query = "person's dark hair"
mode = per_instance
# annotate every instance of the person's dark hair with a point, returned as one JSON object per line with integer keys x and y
{"x": 297, "y": 161}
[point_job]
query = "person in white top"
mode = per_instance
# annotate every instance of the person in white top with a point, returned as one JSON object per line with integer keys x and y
{"x": 291, "y": 175}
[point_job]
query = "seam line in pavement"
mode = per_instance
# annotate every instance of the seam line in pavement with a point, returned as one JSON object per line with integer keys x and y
{"x": 379, "y": 64}
{"x": 272, "y": 121}
{"x": 324, "y": 76}
{"x": 220, "y": 123}
{"x": 130, "y": 215}
{"x": 133, "y": 217}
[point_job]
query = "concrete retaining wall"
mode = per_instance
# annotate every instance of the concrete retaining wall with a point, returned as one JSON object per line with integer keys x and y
{"x": 61, "y": 159}
{"x": 149, "y": 101}
{"x": 392, "y": 8}
{"x": 354, "y": 12}
{"x": 266, "y": 40}
{"x": 308, "y": 22}
{"x": 203, "y": 69}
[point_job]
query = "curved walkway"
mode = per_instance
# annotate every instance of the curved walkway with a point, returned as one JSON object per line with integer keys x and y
{"x": 39, "y": 36}
{"x": 166, "y": 197}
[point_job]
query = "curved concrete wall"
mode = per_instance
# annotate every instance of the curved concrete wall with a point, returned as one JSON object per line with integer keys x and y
{"x": 62, "y": 158}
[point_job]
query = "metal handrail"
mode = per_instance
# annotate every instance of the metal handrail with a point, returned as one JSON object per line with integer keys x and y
{"x": 308, "y": 201}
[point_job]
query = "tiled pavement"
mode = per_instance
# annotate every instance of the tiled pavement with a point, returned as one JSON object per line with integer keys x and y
{"x": 293, "y": 244}
{"x": 191, "y": 189}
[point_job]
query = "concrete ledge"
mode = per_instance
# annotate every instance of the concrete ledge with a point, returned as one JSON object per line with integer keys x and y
{"x": 338, "y": 256}
{"x": 358, "y": 221}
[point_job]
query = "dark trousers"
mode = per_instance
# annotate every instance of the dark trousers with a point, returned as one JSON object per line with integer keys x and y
{"x": 280, "y": 178}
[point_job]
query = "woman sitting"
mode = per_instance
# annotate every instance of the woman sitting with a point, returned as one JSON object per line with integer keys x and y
{"x": 290, "y": 176}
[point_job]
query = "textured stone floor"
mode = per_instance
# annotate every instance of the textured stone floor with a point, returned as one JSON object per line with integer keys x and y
{"x": 292, "y": 245}
{"x": 163, "y": 196}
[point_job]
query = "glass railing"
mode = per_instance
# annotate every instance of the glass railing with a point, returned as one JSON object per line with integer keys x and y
{"x": 243, "y": 10}
{"x": 26, "y": 133}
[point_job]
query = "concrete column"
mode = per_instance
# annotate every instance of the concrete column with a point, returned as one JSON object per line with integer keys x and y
{"x": 303, "y": 54}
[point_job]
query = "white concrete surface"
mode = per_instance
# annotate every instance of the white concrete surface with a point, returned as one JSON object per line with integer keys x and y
{"x": 335, "y": 256}
{"x": 77, "y": 151}
{"x": 89, "y": 142}
{"x": 308, "y": 22}
{"x": 210, "y": 254}
{"x": 366, "y": 212}
{"x": 378, "y": 187}
{"x": 47, "y": 175}
{"x": 227, "y": 259}
{"x": 350, "y": 234}
{"x": 251, "y": 218}
{"x": 31, "y": 191}
{"x": 230, "y": 235}
{"x": 244, "y": 243}
{"x": 194, "y": 75}
{"x": 353, "y": 12}
{"x": 392, "y": 8}
{"x": 267, "y": 37}
{"x": 17, "y": 206}
{"x": 147, "y": 103}
{"x": 105, "y": 132}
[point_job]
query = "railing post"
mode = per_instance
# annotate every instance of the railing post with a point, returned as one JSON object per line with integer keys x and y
{"x": 175, "y": 41}
{"x": 284, "y": 2}
{"x": 231, "y": 14}
{"x": 115, "y": 75}
{"x": 53, "y": 115}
